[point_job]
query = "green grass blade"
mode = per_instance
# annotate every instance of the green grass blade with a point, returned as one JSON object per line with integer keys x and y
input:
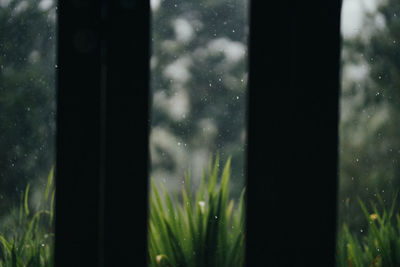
{"x": 26, "y": 206}
{"x": 49, "y": 183}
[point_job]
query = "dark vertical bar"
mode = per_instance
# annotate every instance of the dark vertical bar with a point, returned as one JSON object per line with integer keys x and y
{"x": 127, "y": 106}
{"x": 78, "y": 129}
{"x": 293, "y": 133}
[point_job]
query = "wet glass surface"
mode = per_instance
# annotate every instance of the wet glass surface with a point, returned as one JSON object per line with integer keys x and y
{"x": 198, "y": 86}
{"x": 27, "y": 122}
{"x": 198, "y": 83}
{"x": 369, "y": 112}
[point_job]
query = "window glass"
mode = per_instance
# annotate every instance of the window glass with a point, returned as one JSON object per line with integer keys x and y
{"x": 198, "y": 85}
{"x": 369, "y": 132}
{"x": 27, "y": 126}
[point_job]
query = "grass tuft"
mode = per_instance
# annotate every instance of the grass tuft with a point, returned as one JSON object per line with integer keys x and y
{"x": 380, "y": 242}
{"x": 27, "y": 240}
{"x": 202, "y": 228}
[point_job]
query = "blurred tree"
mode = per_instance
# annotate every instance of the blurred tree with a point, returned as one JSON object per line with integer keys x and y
{"x": 27, "y": 94}
{"x": 370, "y": 119}
{"x": 198, "y": 81}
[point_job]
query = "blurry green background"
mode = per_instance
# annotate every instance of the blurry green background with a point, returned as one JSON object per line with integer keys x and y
{"x": 27, "y": 96}
{"x": 198, "y": 84}
{"x": 370, "y": 107}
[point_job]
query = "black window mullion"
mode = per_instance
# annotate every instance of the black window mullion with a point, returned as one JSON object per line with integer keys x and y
{"x": 127, "y": 119}
{"x": 293, "y": 133}
{"x": 78, "y": 133}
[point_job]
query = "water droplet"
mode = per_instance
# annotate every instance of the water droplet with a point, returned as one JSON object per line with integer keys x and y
{"x": 210, "y": 84}
{"x": 216, "y": 217}
{"x": 176, "y": 5}
{"x": 357, "y": 160}
{"x": 361, "y": 230}
{"x": 233, "y": 30}
{"x": 379, "y": 77}
{"x": 179, "y": 143}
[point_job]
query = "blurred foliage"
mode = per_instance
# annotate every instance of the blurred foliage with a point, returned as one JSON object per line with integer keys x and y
{"x": 198, "y": 81}
{"x": 27, "y": 95}
{"x": 370, "y": 113}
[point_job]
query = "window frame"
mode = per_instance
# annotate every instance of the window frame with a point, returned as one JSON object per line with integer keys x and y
{"x": 102, "y": 133}
{"x": 103, "y": 125}
{"x": 293, "y": 133}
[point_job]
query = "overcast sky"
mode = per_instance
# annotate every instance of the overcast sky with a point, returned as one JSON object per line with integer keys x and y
{"x": 352, "y": 14}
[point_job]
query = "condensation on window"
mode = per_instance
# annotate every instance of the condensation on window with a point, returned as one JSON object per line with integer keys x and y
{"x": 198, "y": 130}
{"x": 198, "y": 84}
{"x": 27, "y": 128}
{"x": 369, "y": 119}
